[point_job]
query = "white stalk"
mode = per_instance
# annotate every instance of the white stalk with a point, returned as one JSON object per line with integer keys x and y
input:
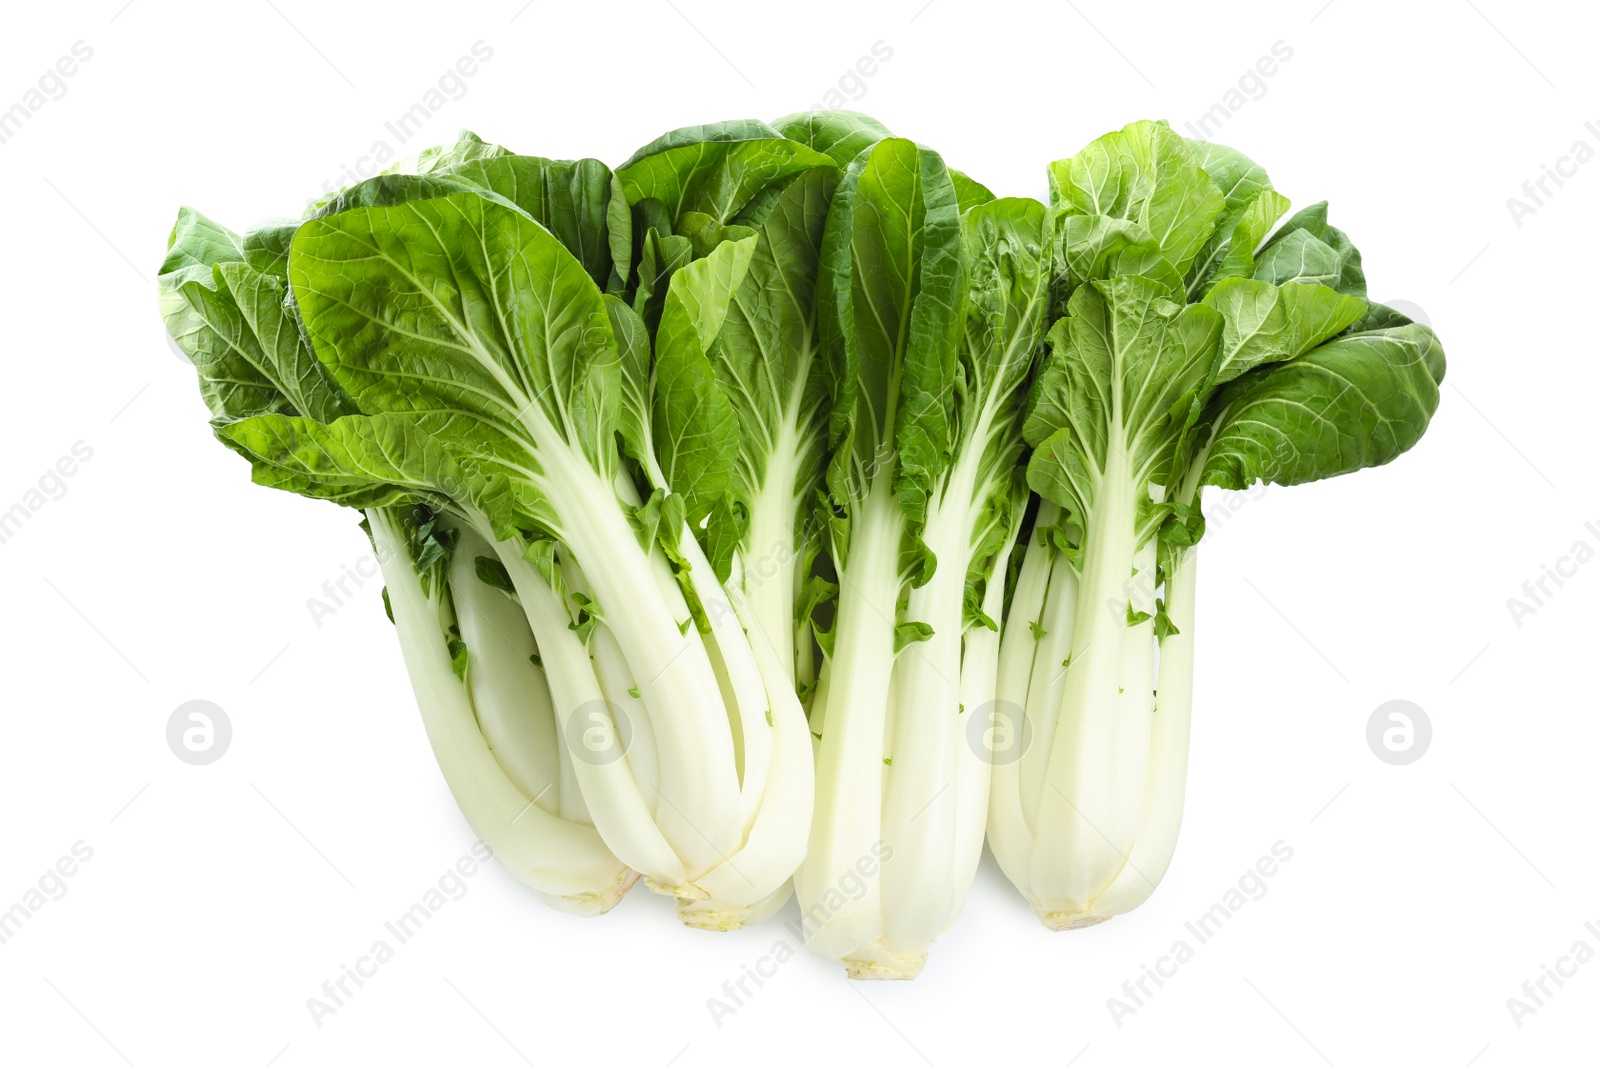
{"x": 1135, "y": 719}
{"x": 741, "y": 678}
{"x": 754, "y": 882}
{"x": 846, "y": 828}
{"x": 1073, "y": 857}
{"x": 767, "y": 580}
{"x": 699, "y": 779}
{"x": 1162, "y": 810}
{"x": 618, "y": 687}
{"x": 919, "y": 799}
{"x": 612, "y": 795}
{"x": 573, "y": 805}
{"x": 565, "y": 861}
{"x": 1052, "y": 650}
{"x": 1010, "y": 829}
{"x": 509, "y": 694}
{"x": 980, "y": 668}
{"x": 937, "y": 788}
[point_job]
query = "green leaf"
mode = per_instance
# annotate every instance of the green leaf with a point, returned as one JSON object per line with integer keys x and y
{"x": 368, "y": 462}
{"x": 583, "y": 626}
{"x": 492, "y": 572}
{"x": 1250, "y": 207}
{"x": 586, "y": 618}
{"x": 571, "y": 199}
{"x": 1164, "y": 627}
{"x": 1254, "y": 326}
{"x": 576, "y": 200}
{"x": 705, "y": 233}
{"x": 1306, "y": 248}
{"x": 1184, "y": 525}
{"x": 1006, "y": 302}
{"x": 634, "y": 359}
{"x": 890, "y": 315}
{"x": 196, "y": 241}
{"x": 696, "y": 428}
{"x": 467, "y": 147}
{"x": 969, "y": 193}
{"x": 271, "y": 341}
{"x": 647, "y": 518}
{"x": 266, "y": 248}
{"x": 972, "y": 608}
{"x": 825, "y": 638}
{"x": 215, "y": 305}
{"x": 1147, "y": 175}
{"x": 388, "y": 190}
{"x": 471, "y": 319}
{"x": 1357, "y": 401}
{"x": 1098, "y": 246}
{"x": 715, "y": 170}
{"x": 1262, "y": 324}
{"x": 840, "y": 135}
{"x": 1238, "y": 259}
{"x": 1119, "y": 364}
{"x": 766, "y": 357}
{"x": 660, "y": 257}
{"x": 816, "y": 592}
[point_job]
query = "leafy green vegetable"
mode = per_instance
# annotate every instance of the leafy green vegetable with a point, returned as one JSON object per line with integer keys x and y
{"x": 934, "y": 312}
{"x": 1193, "y": 349}
{"x": 670, "y": 466}
{"x": 457, "y": 317}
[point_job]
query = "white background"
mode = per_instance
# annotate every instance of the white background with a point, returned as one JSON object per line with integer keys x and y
{"x": 219, "y": 898}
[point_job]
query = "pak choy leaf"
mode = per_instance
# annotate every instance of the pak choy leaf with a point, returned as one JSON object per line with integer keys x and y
{"x": 472, "y": 321}
{"x": 1250, "y": 207}
{"x": 238, "y": 326}
{"x": 1359, "y": 400}
{"x": 1307, "y": 248}
{"x": 1135, "y": 201}
{"x": 715, "y": 170}
{"x": 889, "y": 312}
{"x": 1101, "y": 413}
{"x": 841, "y": 135}
{"x": 695, "y": 426}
